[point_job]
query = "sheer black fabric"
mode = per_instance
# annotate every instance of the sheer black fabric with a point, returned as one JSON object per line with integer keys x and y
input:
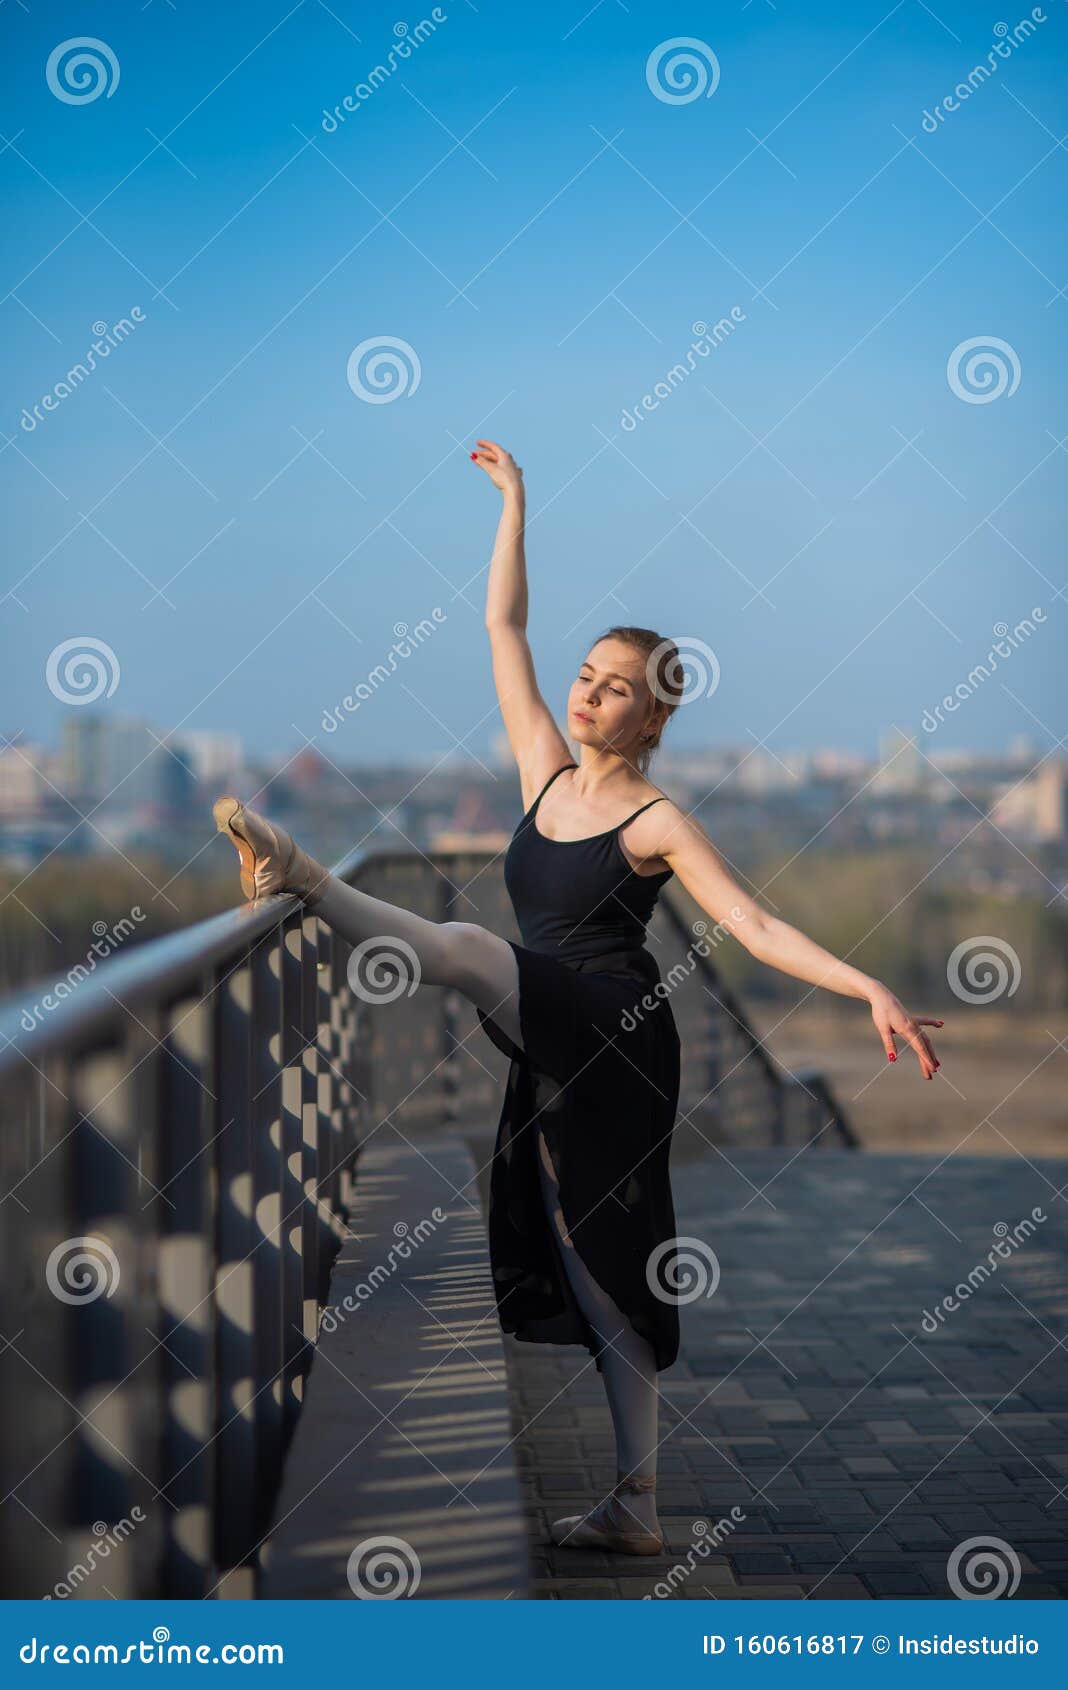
{"x": 599, "y": 1072}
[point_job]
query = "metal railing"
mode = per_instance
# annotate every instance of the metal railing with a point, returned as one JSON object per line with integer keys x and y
{"x": 178, "y": 1149}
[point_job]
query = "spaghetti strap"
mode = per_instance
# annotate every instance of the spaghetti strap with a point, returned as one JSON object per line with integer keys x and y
{"x": 638, "y": 812}
{"x": 548, "y": 783}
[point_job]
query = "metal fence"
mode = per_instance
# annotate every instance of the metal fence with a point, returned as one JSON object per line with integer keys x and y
{"x": 177, "y": 1154}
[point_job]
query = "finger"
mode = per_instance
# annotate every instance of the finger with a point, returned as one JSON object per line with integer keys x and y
{"x": 492, "y": 444}
{"x": 919, "y": 1041}
{"x": 924, "y": 1054}
{"x": 928, "y": 1021}
{"x": 889, "y": 1045}
{"x": 929, "y": 1048}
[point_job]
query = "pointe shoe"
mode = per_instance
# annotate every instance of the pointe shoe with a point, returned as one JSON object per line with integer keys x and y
{"x": 270, "y": 860}
{"x": 611, "y": 1525}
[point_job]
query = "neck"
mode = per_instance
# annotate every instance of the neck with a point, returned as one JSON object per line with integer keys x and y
{"x": 601, "y": 769}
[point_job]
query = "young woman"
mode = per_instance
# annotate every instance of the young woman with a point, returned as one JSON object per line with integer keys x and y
{"x": 581, "y": 1224}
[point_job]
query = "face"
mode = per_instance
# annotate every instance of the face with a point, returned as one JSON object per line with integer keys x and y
{"x": 610, "y": 703}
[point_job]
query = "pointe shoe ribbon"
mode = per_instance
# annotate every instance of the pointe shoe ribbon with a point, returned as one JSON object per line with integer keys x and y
{"x": 611, "y": 1525}
{"x": 271, "y": 861}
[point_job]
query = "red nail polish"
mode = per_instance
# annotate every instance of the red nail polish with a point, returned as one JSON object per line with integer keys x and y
{"x": 891, "y": 1057}
{"x": 474, "y": 454}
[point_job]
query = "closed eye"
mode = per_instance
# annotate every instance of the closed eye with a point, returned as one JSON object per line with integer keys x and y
{"x": 617, "y": 690}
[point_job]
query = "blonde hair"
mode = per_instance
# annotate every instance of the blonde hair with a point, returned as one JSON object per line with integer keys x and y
{"x": 669, "y": 683}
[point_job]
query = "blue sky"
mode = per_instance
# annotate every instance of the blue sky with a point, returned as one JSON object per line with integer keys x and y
{"x": 845, "y": 578}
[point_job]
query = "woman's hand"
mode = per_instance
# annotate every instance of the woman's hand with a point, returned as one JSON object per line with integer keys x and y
{"x": 891, "y": 1016}
{"x": 500, "y": 466}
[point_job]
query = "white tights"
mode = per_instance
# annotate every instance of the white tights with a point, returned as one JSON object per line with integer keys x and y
{"x": 629, "y": 1360}
{"x": 482, "y": 966}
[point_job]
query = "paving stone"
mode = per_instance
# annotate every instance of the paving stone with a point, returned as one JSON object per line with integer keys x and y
{"x": 877, "y": 1464}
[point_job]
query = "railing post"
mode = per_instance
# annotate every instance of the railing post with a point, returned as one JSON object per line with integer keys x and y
{"x": 267, "y": 1199}
{"x": 344, "y": 1114}
{"x": 100, "y": 1291}
{"x": 293, "y": 1340}
{"x": 235, "y": 1411}
{"x": 36, "y": 1383}
{"x": 186, "y": 1083}
{"x": 328, "y": 1148}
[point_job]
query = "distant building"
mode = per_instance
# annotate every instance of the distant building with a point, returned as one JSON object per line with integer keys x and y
{"x": 117, "y": 761}
{"x": 216, "y": 759}
{"x": 23, "y": 789}
{"x": 903, "y": 768}
{"x": 1037, "y": 808}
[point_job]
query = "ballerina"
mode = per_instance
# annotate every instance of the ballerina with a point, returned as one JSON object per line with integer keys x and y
{"x": 581, "y": 1219}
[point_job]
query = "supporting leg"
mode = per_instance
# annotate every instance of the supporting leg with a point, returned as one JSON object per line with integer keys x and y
{"x": 629, "y": 1361}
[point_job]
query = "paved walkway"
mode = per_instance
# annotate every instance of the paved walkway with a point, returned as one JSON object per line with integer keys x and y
{"x": 861, "y": 1448}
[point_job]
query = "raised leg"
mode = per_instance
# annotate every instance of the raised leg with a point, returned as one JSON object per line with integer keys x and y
{"x": 462, "y": 954}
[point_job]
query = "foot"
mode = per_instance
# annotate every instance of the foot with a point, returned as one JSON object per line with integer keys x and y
{"x": 270, "y": 860}
{"x": 624, "y": 1522}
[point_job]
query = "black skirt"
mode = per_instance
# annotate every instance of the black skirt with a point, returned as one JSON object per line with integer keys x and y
{"x": 599, "y": 1073}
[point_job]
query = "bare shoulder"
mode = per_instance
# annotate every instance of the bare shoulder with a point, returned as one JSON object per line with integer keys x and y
{"x": 663, "y": 830}
{"x": 657, "y": 830}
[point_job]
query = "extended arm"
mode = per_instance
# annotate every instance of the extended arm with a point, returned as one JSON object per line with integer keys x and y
{"x": 537, "y": 743}
{"x": 702, "y": 870}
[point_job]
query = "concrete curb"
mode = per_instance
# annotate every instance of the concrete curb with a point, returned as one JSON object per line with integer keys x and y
{"x": 405, "y": 1434}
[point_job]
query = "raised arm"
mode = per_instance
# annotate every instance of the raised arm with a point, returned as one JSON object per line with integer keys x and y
{"x": 537, "y": 743}
{"x": 683, "y": 843}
